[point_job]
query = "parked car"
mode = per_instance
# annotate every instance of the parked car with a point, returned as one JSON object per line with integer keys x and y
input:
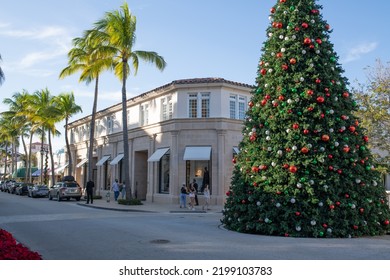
{"x": 11, "y": 187}
{"x": 22, "y": 188}
{"x": 38, "y": 191}
{"x": 4, "y": 186}
{"x": 66, "y": 189}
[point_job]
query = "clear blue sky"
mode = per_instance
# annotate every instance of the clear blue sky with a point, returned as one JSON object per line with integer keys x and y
{"x": 197, "y": 38}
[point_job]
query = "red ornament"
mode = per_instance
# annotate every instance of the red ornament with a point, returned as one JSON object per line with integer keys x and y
{"x": 281, "y": 97}
{"x": 305, "y": 25}
{"x": 251, "y": 104}
{"x": 263, "y": 71}
{"x": 234, "y": 160}
{"x": 345, "y": 94}
{"x": 327, "y": 27}
{"x": 331, "y": 206}
{"x": 263, "y": 102}
{"x": 338, "y": 203}
{"x": 365, "y": 138}
{"x": 307, "y": 41}
{"x": 255, "y": 169}
{"x": 293, "y": 61}
{"x": 319, "y": 41}
{"x": 293, "y": 169}
{"x": 310, "y": 109}
{"x": 344, "y": 117}
{"x": 320, "y": 99}
{"x": 304, "y": 150}
{"x": 272, "y": 10}
{"x": 228, "y": 193}
{"x": 310, "y": 92}
{"x": 324, "y": 225}
{"x": 355, "y": 227}
{"x": 386, "y": 222}
{"x": 318, "y": 81}
{"x": 297, "y": 213}
{"x": 325, "y": 138}
{"x": 282, "y": 1}
{"x": 285, "y": 166}
{"x": 330, "y": 168}
{"x": 276, "y": 104}
{"x": 263, "y": 167}
{"x": 306, "y": 131}
{"x": 340, "y": 171}
{"x": 361, "y": 210}
{"x": 346, "y": 195}
{"x": 279, "y": 55}
{"x": 284, "y": 67}
{"x": 243, "y": 201}
{"x": 268, "y": 97}
{"x": 295, "y": 126}
{"x": 346, "y": 149}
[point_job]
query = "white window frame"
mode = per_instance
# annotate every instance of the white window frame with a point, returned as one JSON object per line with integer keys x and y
{"x": 144, "y": 114}
{"x": 238, "y": 110}
{"x": 166, "y": 108}
{"x": 198, "y": 104}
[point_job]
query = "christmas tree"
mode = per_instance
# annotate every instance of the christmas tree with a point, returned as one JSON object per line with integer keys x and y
{"x": 304, "y": 168}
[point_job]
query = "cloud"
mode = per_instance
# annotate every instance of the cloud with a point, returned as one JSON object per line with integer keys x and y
{"x": 46, "y": 44}
{"x": 357, "y": 52}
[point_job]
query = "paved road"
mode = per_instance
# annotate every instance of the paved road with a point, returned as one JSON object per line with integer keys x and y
{"x": 68, "y": 231}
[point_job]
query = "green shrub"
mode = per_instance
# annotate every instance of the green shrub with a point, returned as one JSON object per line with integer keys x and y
{"x": 133, "y": 201}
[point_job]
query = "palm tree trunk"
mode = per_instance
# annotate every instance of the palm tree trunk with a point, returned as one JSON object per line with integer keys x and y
{"x": 70, "y": 161}
{"x": 53, "y": 176}
{"x": 5, "y": 160}
{"x": 92, "y": 130}
{"x": 29, "y": 159}
{"x": 126, "y": 156}
{"x": 27, "y": 163}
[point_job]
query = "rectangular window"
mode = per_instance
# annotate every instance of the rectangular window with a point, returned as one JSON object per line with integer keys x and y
{"x": 232, "y": 106}
{"x": 205, "y": 105}
{"x": 237, "y": 107}
{"x": 110, "y": 124}
{"x": 199, "y": 105}
{"x": 193, "y": 105}
{"x": 166, "y": 108}
{"x": 241, "y": 107}
{"x": 144, "y": 114}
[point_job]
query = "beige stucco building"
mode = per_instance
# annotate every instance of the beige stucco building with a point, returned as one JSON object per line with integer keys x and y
{"x": 175, "y": 131}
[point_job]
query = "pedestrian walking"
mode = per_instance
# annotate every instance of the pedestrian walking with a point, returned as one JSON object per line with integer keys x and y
{"x": 123, "y": 191}
{"x": 206, "y": 193}
{"x": 195, "y": 185}
{"x": 183, "y": 196}
{"x": 89, "y": 187}
{"x": 206, "y": 178}
{"x": 115, "y": 189}
{"x": 192, "y": 198}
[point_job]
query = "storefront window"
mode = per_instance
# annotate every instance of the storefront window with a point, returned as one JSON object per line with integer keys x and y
{"x": 198, "y": 170}
{"x": 164, "y": 173}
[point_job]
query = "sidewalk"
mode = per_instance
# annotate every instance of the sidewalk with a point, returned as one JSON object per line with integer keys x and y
{"x": 152, "y": 207}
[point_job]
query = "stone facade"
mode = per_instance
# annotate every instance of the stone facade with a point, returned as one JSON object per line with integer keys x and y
{"x": 174, "y": 132}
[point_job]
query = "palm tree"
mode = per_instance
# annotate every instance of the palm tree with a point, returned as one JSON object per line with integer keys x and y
{"x": 68, "y": 107}
{"x": 46, "y": 116}
{"x": 17, "y": 112}
{"x": 117, "y": 31}
{"x": 2, "y": 77}
{"x": 88, "y": 58}
{"x": 5, "y": 141}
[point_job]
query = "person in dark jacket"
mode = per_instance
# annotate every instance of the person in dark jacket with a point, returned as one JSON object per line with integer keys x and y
{"x": 89, "y": 187}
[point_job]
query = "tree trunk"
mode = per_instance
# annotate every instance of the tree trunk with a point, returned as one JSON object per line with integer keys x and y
{"x": 92, "y": 130}
{"x": 125, "y": 135}
{"x": 70, "y": 161}
{"x": 53, "y": 176}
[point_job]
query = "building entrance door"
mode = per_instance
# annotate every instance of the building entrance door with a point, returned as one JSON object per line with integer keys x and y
{"x": 140, "y": 174}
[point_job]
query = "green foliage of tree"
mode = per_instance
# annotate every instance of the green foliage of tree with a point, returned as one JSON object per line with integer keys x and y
{"x": 116, "y": 33}
{"x": 304, "y": 167}
{"x": 373, "y": 98}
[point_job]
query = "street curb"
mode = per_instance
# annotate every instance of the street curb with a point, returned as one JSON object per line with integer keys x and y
{"x": 116, "y": 209}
